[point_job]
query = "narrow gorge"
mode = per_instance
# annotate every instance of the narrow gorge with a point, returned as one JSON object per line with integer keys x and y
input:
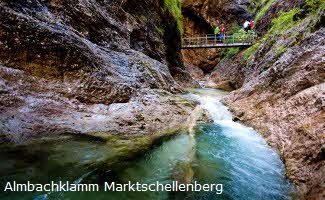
{"x": 96, "y": 91}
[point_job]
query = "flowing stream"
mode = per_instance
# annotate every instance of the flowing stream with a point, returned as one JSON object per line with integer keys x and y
{"x": 221, "y": 152}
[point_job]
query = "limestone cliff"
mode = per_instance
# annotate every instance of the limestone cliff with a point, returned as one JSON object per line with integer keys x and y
{"x": 280, "y": 84}
{"x": 97, "y": 67}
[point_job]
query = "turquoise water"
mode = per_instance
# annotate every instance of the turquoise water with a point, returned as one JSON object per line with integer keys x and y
{"x": 221, "y": 152}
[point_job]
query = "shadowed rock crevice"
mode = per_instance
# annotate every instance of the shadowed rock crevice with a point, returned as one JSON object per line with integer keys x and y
{"x": 202, "y": 24}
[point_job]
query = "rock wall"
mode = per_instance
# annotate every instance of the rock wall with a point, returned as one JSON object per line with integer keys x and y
{"x": 98, "y": 66}
{"x": 200, "y": 18}
{"x": 280, "y": 84}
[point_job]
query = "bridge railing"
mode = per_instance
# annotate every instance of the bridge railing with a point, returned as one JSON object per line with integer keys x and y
{"x": 210, "y": 40}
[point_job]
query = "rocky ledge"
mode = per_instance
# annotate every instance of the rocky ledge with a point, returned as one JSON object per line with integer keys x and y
{"x": 93, "y": 68}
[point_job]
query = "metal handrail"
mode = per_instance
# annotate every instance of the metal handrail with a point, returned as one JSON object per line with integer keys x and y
{"x": 218, "y": 39}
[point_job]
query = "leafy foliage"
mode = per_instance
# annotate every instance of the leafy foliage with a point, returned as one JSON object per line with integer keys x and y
{"x": 283, "y": 22}
{"x": 251, "y": 51}
{"x": 263, "y": 10}
{"x": 229, "y": 52}
{"x": 313, "y": 5}
{"x": 240, "y": 35}
{"x": 175, "y": 7}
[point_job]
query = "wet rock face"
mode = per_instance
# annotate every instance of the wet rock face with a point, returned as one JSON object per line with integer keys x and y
{"x": 36, "y": 107}
{"x": 200, "y": 19}
{"x": 280, "y": 92}
{"x": 286, "y": 105}
{"x": 53, "y": 38}
{"x": 228, "y": 75}
{"x": 57, "y": 56}
{"x": 224, "y": 11}
{"x": 203, "y": 59}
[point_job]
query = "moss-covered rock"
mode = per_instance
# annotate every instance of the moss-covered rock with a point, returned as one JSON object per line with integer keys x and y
{"x": 175, "y": 7}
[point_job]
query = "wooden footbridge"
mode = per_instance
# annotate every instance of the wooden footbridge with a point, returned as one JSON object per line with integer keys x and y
{"x": 214, "y": 41}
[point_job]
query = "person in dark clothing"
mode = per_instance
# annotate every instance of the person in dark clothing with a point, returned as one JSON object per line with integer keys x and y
{"x": 249, "y": 27}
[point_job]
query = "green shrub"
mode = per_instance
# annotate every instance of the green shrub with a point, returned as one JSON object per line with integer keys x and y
{"x": 239, "y": 35}
{"x": 242, "y": 35}
{"x": 283, "y": 22}
{"x": 251, "y": 51}
{"x": 313, "y": 5}
{"x": 229, "y": 52}
{"x": 234, "y": 28}
{"x": 175, "y": 7}
{"x": 263, "y": 10}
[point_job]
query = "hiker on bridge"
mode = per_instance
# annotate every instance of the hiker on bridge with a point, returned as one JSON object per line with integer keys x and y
{"x": 252, "y": 24}
{"x": 217, "y": 32}
{"x": 222, "y": 33}
{"x": 246, "y": 25}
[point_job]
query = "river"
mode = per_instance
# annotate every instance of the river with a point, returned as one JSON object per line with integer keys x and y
{"x": 221, "y": 152}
